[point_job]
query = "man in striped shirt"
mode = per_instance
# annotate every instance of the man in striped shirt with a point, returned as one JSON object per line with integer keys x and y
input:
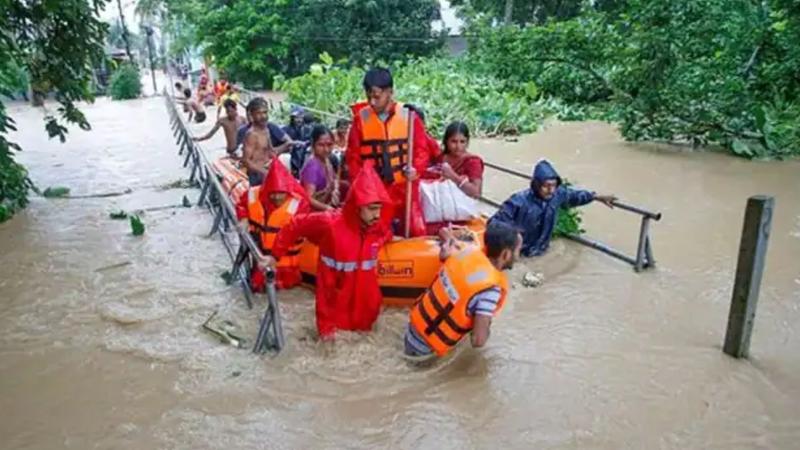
{"x": 469, "y": 280}
{"x": 482, "y": 304}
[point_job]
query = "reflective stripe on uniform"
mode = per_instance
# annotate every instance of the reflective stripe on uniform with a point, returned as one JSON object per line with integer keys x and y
{"x": 348, "y": 266}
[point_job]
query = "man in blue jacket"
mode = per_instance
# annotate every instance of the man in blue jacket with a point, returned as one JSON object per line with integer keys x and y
{"x": 534, "y": 211}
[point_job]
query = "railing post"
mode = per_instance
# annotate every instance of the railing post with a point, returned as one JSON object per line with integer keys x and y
{"x": 749, "y": 269}
{"x": 641, "y": 254}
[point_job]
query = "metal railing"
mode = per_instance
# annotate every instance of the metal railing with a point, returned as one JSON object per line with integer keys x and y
{"x": 644, "y": 251}
{"x": 243, "y": 253}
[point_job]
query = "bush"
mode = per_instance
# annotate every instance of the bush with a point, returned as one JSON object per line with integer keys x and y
{"x": 126, "y": 83}
{"x": 705, "y": 72}
{"x": 446, "y": 89}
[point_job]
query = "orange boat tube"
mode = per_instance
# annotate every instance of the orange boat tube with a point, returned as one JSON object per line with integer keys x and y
{"x": 232, "y": 177}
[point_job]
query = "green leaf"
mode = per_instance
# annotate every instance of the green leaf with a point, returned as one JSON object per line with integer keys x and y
{"x": 137, "y": 226}
{"x": 741, "y": 148}
{"x": 118, "y": 214}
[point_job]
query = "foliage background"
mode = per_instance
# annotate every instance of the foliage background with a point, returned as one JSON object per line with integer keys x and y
{"x": 252, "y": 41}
{"x": 126, "y": 83}
{"x": 56, "y": 44}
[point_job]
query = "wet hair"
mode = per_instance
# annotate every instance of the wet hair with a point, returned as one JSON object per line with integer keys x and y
{"x": 318, "y": 131}
{"x": 308, "y": 118}
{"x": 453, "y": 129}
{"x": 342, "y": 122}
{"x": 229, "y": 103}
{"x": 378, "y": 77}
{"x": 187, "y": 92}
{"x": 500, "y": 236}
{"x": 257, "y": 103}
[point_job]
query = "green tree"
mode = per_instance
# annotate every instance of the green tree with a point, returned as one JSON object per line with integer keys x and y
{"x": 58, "y": 44}
{"x": 700, "y": 71}
{"x": 533, "y": 11}
{"x": 254, "y": 40}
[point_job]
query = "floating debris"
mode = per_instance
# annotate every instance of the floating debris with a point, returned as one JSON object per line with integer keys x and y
{"x": 56, "y": 192}
{"x": 179, "y": 184}
{"x": 532, "y": 279}
{"x": 118, "y": 214}
{"x": 224, "y": 330}
{"x": 113, "y": 266}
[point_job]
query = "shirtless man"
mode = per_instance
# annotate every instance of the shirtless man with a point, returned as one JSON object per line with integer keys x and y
{"x": 259, "y": 144}
{"x": 230, "y": 124}
{"x": 194, "y": 108}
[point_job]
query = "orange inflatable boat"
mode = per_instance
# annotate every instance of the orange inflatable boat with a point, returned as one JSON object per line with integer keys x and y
{"x": 406, "y": 267}
{"x": 232, "y": 177}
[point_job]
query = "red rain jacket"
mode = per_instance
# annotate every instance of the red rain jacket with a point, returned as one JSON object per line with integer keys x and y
{"x": 278, "y": 179}
{"x": 348, "y": 296}
{"x": 424, "y": 148}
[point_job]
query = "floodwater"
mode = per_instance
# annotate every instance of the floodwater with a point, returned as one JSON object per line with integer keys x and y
{"x": 101, "y": 347}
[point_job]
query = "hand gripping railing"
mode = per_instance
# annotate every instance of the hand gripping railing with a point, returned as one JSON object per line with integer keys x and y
{"x": 244, "y": 257}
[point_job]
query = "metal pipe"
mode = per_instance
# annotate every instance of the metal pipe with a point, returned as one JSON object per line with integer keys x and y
{"x": 640, "y": 247}
{"x": 637, "y": 210}
{"x": 507, "y": 170}
{"x": 648, "y": 251}
{"x": 616, "y": 203}
{"x": 489, "y": 201}
{"x": 602, "y": 247}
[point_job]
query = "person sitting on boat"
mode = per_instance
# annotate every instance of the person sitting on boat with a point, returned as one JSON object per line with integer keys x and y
{"x": 220, "y": 89}
{"x": 205, "y": 94}
{"x": 469, "y": 290}
{"x": 296, "y": 121}
{"x": 265, "y": 210}
{"x": 230, "y": 124}
{"x": 318, "y": 175}
{"x": 534, "y": 211}
{"x": 263, "y": 141}
{"x": 231, "y": 93}
{"x": 380, "y": 134}
{"x": 458, "y": 165}
{"x": 340, "y": 135}
{"x": 348, "y": 296}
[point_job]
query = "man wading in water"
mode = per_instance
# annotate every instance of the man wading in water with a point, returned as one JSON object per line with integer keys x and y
{"x": 194, "y": 108}
{"x": 469, "y": 290}
{"x": 259, "y": 149}
{"x": 534, "y": 211}
{"x": 230, "y": 124}
{"x": 348, "y": 296}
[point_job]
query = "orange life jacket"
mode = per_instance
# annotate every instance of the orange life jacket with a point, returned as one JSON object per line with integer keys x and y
{"x": 440, "y": 316}
{"x": 386, "y": 143}
{"x": 267, "y": 230}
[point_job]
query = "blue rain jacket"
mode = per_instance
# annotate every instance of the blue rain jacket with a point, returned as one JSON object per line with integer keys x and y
{"x": 535, "y": 217}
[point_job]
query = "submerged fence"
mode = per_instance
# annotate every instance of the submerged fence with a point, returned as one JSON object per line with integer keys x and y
{"x": 241, "y": 247}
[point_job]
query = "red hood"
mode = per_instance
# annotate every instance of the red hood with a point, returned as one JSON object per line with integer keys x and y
{"x": 279, "y": 179}
{"x": 367, "y": 188}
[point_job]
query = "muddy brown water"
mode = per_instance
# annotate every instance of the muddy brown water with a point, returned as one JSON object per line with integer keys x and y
{"x": 97, "y": 353}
